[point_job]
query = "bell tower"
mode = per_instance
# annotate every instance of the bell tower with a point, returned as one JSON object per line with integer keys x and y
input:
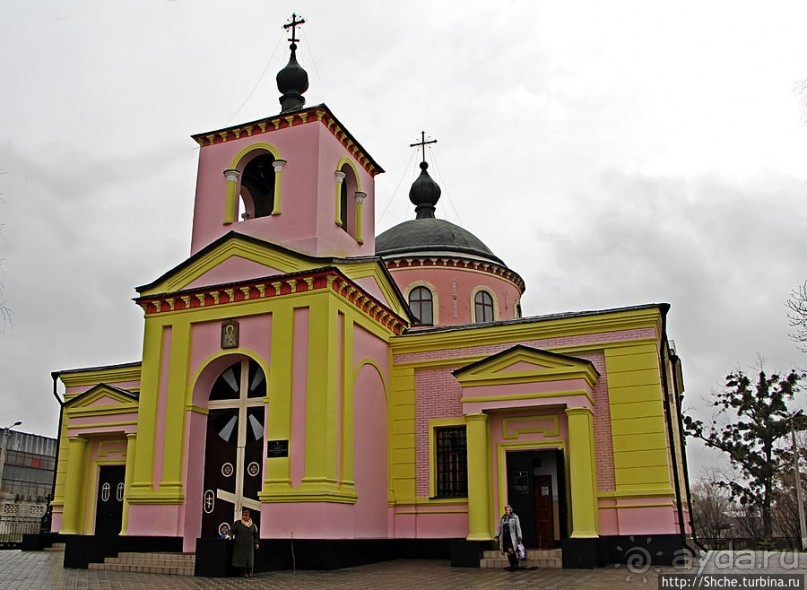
{"x": 297, "y": 179}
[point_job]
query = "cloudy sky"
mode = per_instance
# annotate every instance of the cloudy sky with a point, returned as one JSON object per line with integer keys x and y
{"x": 613, "y": 154}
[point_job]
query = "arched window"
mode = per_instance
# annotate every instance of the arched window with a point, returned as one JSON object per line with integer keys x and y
{"x": 518, "y": 310}
{"x": 258, "y": 187}
{"x": 345, "y": 202}
{"x": 421, "y": 304}
{"x": 483, "y": 307}
{"x": 343, "y": 218}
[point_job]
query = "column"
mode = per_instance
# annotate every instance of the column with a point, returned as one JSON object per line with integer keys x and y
{"x": 582, "y": 473}
{"x": 360, "y": 196}
{"x": 340, "y": 178}
{"x": 76, "y": 457}
{"x": 231, "y": 175}
{"x": 131, "y": 443}
{"x": 478, "y": 478}
{"x": 277, "y": 165}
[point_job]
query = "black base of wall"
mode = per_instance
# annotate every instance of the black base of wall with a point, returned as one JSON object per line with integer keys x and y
{"x": 641, "y": 550}
{"x": 81, "y": 550}
{"x": 213, "y": 556}
{"x": 468, "y": 553}
{"x": 658, "y": 549}
{"x": 39, "y": 541}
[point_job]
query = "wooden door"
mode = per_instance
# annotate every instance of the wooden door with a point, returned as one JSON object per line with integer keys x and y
{"x": 544, "y": 512}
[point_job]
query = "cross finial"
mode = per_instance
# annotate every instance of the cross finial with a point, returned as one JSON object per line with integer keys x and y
{"x": 423, "y": 143}
{"x": 293, "y": 24}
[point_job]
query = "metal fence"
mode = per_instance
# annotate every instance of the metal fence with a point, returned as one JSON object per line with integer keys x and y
{"x": 12, "y": 529}
{"x": 744, "y": 543}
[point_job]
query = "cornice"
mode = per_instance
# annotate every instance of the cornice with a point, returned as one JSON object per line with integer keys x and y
{"x": 327, "y": 279}
{"x": 530, "y": 328}
{"x": 456, "y": 262}
{"x": 96, "y": 375}
{"x": 316, "y": 114}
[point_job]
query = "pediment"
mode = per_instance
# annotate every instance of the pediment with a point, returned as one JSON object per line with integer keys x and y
{"x": 522, "y": 364}
{"x": 232, "y": 258}
{"x": 103, "y": 397}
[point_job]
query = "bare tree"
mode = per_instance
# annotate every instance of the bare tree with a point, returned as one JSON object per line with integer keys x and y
{"x": 711, "y": 507}
{"x": 797, "y": 304}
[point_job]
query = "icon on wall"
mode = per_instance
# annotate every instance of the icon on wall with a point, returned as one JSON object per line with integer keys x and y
{"x": 229, "y": 334}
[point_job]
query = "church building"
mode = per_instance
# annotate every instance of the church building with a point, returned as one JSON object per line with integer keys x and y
{"x": 366, "y": 396}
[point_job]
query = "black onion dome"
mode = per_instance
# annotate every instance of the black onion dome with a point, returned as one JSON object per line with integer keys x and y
{"x": 427, "y": 235}
{"x": 424, "y": 193}
{"x": 292, "y": 81}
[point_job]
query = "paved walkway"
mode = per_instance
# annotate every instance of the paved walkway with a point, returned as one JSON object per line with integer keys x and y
{"x": 43, "y": 569}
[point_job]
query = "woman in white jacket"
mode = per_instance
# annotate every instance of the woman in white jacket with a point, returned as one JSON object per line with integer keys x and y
{"x": 508, "y": 535}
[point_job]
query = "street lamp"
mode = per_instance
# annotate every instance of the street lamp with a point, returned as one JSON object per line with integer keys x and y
{"x": 792, "y": 419}
{"x": 3, "y": 452}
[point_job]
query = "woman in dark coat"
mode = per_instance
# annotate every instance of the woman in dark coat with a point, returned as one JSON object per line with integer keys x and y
{"x": 245, "y": 534}
{"x": 508, "y": 535}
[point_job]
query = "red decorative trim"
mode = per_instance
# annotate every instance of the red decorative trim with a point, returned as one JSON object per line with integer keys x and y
{"x": 312, "y": 115}
{"x": 462, "y": 263}
{"x": 275, "y": 286}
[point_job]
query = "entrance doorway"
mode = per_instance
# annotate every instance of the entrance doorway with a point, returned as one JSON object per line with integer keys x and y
{"x": 537, "y": 492}
{"x": 109, "y": 502}
{"x": 233, "y": 448}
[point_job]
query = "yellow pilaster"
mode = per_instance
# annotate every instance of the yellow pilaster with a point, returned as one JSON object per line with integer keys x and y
{"x": 582, "y": 473}
{"x": 171, "y": 484}
{"x": 143, "y": 473}
{"x": 131, "y": 442}
{"x": 76, "y": 468}
{"x": 478, "y": 478}
{"x": 347, "y": 426}
{"x": 321, "y": 404}
{"x": 276, "y": 474}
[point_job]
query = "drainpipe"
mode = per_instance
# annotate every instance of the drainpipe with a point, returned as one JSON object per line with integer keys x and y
{"x": 684, "y": 463}
{"x": 665, "y": 388}
{"x": 55, "y": 375}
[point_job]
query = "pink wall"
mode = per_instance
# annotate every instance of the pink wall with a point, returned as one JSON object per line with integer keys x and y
{"x": 150, "y": 520}
{"x": 193, "y": 478}
{"x": 231, "y": 270}
{"x": 445, "y": 521}
{"x": 446, "y": 280}
{"x": 255, "y": 336}
{"x": 306, "y": 520}
{"x": 370, "y": 455}
{"x": 308, "y": 197}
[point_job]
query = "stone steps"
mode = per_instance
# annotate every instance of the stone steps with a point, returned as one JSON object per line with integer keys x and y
{"x": 55, "y": 547}
{"x": 178, "y": 564}
{"x": 540, "y": 558}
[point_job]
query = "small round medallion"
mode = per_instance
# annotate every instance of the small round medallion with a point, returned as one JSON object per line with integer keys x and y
{"x": 227, "y": 469}
{"x": 253, "y": 469}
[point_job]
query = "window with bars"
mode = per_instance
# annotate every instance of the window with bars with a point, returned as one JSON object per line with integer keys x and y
{"x": 452, "y": 462}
